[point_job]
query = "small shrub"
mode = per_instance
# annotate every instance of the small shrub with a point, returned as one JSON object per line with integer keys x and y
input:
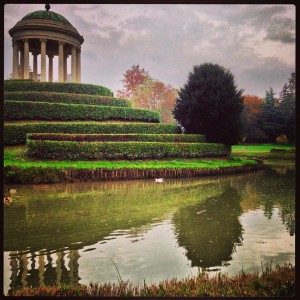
{"x": 282, "y": 139}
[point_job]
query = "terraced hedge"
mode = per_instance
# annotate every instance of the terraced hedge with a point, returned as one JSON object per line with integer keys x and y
{"x": 15, "y": 133}
{"x": 66, "y": 150}
{"x": 70, "y": 98}
{"x": 58, "y": 87}
{"x": 24, "y": 110}
{"x": 179, "y": 138}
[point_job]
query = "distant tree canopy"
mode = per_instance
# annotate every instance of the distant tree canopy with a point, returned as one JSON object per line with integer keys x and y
{"x": 264, "y": 120}
{"x": 210, "y": 104}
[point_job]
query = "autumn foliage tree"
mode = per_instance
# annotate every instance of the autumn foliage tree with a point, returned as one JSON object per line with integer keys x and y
{"x": 251, "y": 131}
{"x": 146, "y": 92}
{"x": 132, "y": 79}
{"x": 156, "y": 95}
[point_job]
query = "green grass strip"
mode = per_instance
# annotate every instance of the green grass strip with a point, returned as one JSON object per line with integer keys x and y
{"x": 262, "y": 151}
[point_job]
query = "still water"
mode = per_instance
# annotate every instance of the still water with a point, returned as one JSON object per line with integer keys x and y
{"x": 142, "y": 230}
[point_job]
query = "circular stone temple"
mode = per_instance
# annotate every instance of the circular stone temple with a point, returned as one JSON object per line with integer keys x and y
{"x": 46, "y": 33}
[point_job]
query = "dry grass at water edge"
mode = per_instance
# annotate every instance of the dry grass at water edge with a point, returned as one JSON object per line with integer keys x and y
{"x": 279, "y": 281}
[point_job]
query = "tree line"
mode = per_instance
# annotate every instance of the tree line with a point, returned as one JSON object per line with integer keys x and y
{"x": 269, "y": 119}
{"x": 210, "y": 103}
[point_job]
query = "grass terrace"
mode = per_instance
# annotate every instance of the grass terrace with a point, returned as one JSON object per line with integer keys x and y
{"x": 81, "y": 132}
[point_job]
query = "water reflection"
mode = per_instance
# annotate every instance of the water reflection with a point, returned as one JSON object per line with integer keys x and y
{"x": 40, "y": 269}
{"x": 51, "y": 230}
{"x": 210, "y": 230}
{"x": 62, "y": 216}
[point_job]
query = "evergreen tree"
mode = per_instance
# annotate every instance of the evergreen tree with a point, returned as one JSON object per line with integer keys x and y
{"x": 284, "y": 93}
{"x": 271, "y": 120}
{"x": 288, "y": 106}
{"x": 269, "y": 98}
{"x": 210, "y": 103}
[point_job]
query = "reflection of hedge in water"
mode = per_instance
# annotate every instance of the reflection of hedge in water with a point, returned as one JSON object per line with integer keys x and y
{"x": 215, "y": 223}
{"x": 60, "y": 219}
{"x": 121, "y": 150}
{"x": 27, "y": 110}
{"x": 15, "y": 133}
{"x": 66, "y": 98}
{"x": 14, "y": 174}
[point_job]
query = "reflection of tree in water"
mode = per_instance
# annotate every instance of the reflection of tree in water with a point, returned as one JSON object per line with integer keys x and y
{"x": 279, "y": 190}
{"x": 210, "y": 230}
{"x": 287, "y": 214}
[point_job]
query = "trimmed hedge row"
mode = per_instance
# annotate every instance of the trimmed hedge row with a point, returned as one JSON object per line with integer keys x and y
{"x": 181, "y": 138}
{"x": 15, "y": 133}
{"x": 65, "y": 150}
{"x": 66, "y": 98}
{"x": 24, "y": 110}
{"x": 58, "y": 87}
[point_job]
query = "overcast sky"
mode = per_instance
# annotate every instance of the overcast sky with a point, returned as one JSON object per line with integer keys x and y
{"x": 256, "y": 42}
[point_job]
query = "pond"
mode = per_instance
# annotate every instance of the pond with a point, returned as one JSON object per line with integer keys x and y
{"x": 142, "y": 230}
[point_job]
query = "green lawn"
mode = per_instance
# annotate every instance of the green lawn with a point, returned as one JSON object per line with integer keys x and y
{"x": 16, "y": 156}
{"x": 260, "y": 147}
{"x": 262, "y": 150}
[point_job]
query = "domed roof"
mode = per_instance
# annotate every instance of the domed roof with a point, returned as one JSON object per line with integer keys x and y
{"x": 46, "y": 15}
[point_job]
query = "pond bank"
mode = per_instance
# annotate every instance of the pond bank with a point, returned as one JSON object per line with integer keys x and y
{"x": 18, "y": 168}
{"x": 279, "y": 281}
{"x": 16, "y": 174}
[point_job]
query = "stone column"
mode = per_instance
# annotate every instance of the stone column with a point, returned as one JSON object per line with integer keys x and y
{"x": 21, "y": 71}
{"x": 35, "y": 65}
{"x": 50, "y": 70}
{"x": 26, "y": 59}
{"x": 43, "y": 60}
{"x": 15, "y": 72}
{"x": 60, "y": 62}
{"x": 73, "y": 67}
{"x": 66, "y": 68}
{"x": 78, "y": 66}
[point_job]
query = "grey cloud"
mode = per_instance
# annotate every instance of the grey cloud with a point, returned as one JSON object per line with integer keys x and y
{"x": 281, "y": 36}
{"x": 268, "y": 18}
